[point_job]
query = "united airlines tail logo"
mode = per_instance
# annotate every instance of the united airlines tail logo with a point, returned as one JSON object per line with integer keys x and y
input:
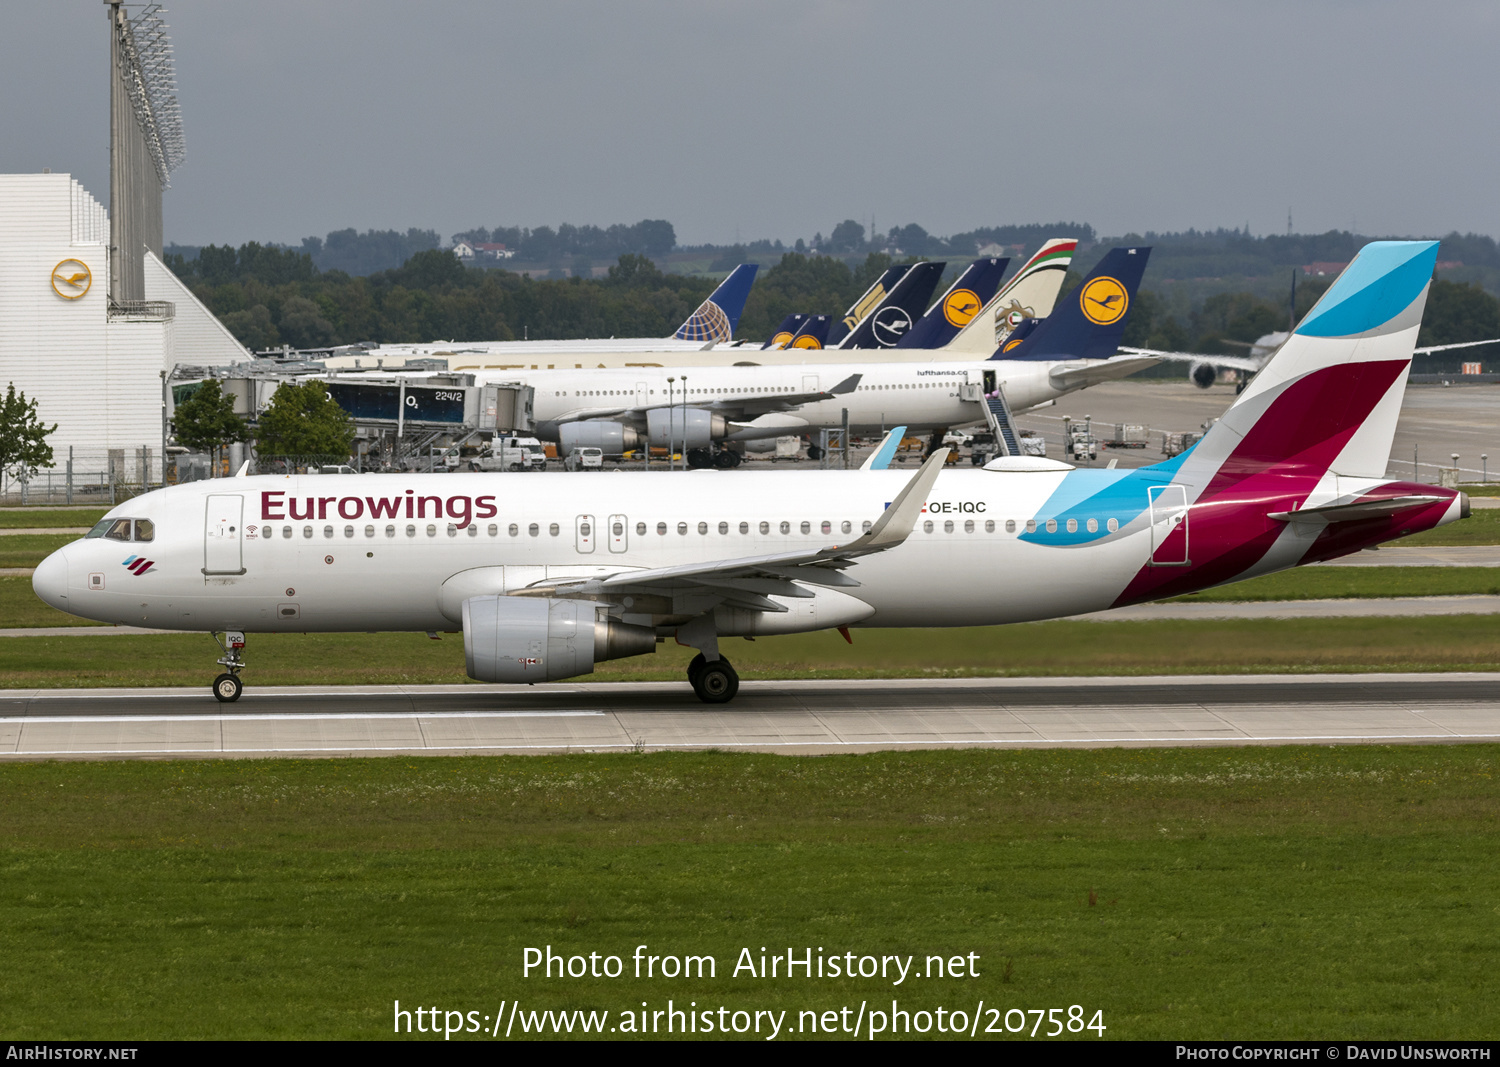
{"x": 708, "y": 323}
{"x": 1103, "y": 301}
{"x": 138, "y": 565}
{"x": 961, "y": 306}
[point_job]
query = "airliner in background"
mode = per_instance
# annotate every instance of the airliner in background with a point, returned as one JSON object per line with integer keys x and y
{"x": 548, "y": 574}
{"x": 715, "y": 414}
{"x": 1031, "y": 292}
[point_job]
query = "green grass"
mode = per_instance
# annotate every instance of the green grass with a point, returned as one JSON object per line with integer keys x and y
{"x": 1284, "y": 893}
{"x": 27, "y": 550}
{"x": 1208, "y": 646}
{"x": 27, "y": 518}
{"x": 1482, "y": 527}
{"x": 1324, "y": 583}
{"x": 20, "y": 606}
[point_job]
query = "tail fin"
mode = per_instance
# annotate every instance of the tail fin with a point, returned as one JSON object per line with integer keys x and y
{"x": 717, "y": 317}
{"x": 880, "y": 459}
{"x": 813, "y": 334}
{"x": 1030, "y": 293}
{"x": 964, "y": 299}
{"x": 1328, "y": 400}
{"x": 898, "y": 312}
{"x": 1090, "y": 322}
{"x": 786, "y": 331}
{"x": 868, "y": 302}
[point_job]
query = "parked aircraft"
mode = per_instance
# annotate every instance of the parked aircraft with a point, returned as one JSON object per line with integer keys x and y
{"x": 956, "y": 308}
{"x": 714, "y": 413}
{"x": 548, "y": 574}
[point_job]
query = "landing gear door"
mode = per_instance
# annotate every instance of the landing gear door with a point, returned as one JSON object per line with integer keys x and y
{"x": 1169, "y": 525}
{"x": 223, "y": 535}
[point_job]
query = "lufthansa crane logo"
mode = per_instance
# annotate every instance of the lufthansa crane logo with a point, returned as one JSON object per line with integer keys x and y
{"x": 71, "y": 279}
{"x": 807, "y": 340}
{"x": 890, "y": 325}
{"x": 961, "y": 306}
{"x": 780, "y": 340}
{"x": 1104, "y": 301}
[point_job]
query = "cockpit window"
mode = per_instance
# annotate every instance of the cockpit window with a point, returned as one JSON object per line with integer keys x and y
{"x": 119, "y": 530}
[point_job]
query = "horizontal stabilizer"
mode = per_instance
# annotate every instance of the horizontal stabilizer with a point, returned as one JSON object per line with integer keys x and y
{"x": 1359, "y": 509}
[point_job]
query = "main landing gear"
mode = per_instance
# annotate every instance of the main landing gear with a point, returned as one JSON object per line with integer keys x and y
{"x": 227, "y": 686}
{"x": 716, "y": 682}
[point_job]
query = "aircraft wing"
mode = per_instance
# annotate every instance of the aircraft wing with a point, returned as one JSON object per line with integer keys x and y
{"x": 748, "y": 580}
{"x": 1082, "y": 375}
{"x": 737, "y": 408}
{"x": 1444, "y": 348}
{"x": 1236, "y": 362}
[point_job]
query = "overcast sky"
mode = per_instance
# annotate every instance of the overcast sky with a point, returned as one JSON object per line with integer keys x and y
{"x": 779, "y": 119}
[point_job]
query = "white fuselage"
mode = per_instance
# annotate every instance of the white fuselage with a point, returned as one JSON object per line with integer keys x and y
{"x": 920, "y": 396}
{"x": 965, "y": 563}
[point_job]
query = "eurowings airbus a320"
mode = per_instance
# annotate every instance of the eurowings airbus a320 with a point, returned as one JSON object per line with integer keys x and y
{"x": 547, "y": 575}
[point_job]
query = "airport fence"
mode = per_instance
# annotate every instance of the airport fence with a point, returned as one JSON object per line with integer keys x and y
{"x": 88, "y": 476}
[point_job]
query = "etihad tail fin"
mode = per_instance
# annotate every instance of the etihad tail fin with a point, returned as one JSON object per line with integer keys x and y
{"x": 716, "y": 318}
{"x": 894, "y": 316}
{"x": 785, "y": 332}
{"x": 957, "y": 307}
{"x": 1091, "y": 321}
{"x": 868, "y": 302}
{"x": 1031, "y": 293}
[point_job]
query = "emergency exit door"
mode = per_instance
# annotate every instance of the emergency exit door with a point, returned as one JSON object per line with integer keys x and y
{"x": 1169, "y": 525}
{"x": 223, "y": 535}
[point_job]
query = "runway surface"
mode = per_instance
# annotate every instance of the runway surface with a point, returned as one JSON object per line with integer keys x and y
{"x": 805, "y": 717}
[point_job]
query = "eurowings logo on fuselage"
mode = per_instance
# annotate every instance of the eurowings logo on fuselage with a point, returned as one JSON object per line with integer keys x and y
{"x": 138, "y": 565}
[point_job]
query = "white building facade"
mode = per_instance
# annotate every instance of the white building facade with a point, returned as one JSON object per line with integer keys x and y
{"x": 96, "y": 370}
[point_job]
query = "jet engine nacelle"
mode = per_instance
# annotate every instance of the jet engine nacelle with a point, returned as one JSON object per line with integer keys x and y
{"x": 1203, "y": 374}
{"x": 532, "y": 639}
{"x": 684, "y": 427}
{"x": 613, "y": 438}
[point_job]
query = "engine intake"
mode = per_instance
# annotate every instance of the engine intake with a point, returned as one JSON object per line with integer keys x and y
{"x": 530, "y": 639}
{"x": 613, "y": 438}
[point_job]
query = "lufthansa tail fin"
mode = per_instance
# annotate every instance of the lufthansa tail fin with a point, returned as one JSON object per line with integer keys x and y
{"x": 1091, "y": 320}
{"x": 1031, "y": 293}
{"x": 894, "y": 316}
{"x": 717, "y": 317}
{"x": 867, "y": 302}
{"x": 964, "y": 299}
{"x": 785, "y": 332}
{"x": 814, "y": 333}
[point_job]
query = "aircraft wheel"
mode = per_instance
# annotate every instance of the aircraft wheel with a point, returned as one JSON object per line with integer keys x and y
{"x": 694, "y": 667}
{"x": 716, "y": 682}
{"x": 726, "y": 459}
{"x": 227, "y": 688}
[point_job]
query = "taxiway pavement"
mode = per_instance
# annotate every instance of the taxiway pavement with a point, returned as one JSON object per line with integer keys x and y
{"x": 803, "y": 717}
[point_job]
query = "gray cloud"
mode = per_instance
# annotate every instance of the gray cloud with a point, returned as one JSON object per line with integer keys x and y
{"x": 781, "y": 118}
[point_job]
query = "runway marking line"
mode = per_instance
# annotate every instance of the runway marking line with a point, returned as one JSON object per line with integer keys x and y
{"x": 301, "y": 716}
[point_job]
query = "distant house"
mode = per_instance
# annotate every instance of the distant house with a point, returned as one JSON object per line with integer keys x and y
{"x": 464, "y": 250}
{"x": 490, "y": 250}
{"x": 1449, "y": 264}
{"x": 1319, "y": 269}
{"x": 994, "y": 250}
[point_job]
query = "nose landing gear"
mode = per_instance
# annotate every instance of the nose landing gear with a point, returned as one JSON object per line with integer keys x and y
{"x": 227, "y": 687}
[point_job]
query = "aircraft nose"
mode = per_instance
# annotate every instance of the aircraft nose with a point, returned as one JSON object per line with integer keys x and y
{"x": 50, "y": 580}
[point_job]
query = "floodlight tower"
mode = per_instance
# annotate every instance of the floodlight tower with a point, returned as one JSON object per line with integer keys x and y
{"x": 145, "y": 141}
